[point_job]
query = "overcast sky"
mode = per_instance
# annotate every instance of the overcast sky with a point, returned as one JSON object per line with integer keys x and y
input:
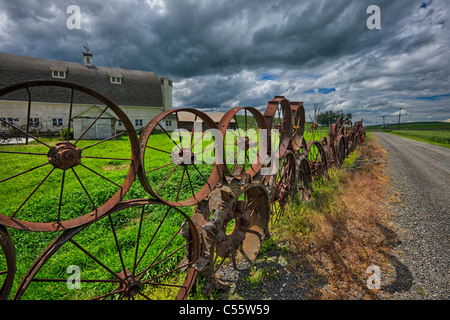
{"x": 226, "y": 53}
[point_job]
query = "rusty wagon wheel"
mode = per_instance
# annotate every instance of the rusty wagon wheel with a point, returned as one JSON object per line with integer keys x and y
{"x": 340, "y": 150}
{"x": 283, "y": 186}
{"x": 7, "y": 263}
{"x": 183, "y": 167}
{"x": 232, "y": 224}
{"x": 347, "y": 133}
{"x": 304, "y": 179}
{"x": 49, "y": 186}
{"x": 241, "y": 130}
{"x": 278, "y": 116}
{"x": 318, "y": 161}
{"x": 144, "y": 249}
{"x": 298, "y": 125}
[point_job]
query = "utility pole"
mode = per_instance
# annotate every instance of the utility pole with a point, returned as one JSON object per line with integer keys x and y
{"x": 399, "y": 114}
{"x": 384, "y": 126}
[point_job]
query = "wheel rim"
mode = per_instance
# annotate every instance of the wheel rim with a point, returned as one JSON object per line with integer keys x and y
{"x": 284, "y": 185}
{"x": 241, "y": 146}
{"x": 304, "y": 179}
{"x": 7, "y": 263}
{"x": 298, "y": 125}
{"x": 163, "y": 177}
{"x": 318, "y": 161}
{"x": 74, "y": 166}
{"x": 340, "y": 150}
{"x": 278, "y": 116}
{"x": 155, "y": 248}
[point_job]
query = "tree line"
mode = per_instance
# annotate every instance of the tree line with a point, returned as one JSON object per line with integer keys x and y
{"x": 329, "y": 117}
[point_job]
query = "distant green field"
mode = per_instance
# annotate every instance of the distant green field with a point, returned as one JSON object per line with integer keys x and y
{"x": 432, "y": 132}
{"x": 413, "y": 126}
{"x": 439, "y": 137}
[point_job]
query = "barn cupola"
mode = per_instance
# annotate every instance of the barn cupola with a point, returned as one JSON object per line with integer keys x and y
{"x": 87, "y": 56}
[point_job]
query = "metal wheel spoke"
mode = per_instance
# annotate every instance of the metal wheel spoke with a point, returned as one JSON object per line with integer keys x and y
{"x": 90, "y": 126}
{"x": 100, "y": 175}
{"x": 104, "y": 140}
{"x": 190, "y": 183}
{"x": 23, "y": 172}
{"x": 21, "y": 152}
{"x": 119, "y": 250}
{"x": 61, "y": 195}
{"x": 150, "y": 147}
{"x": 70, "y": 115}
{"x": 138, "y": 239}
{"x": 95, "y": 259}
{"x": 34, "y": 190}
{"x": 153, "y": 264}
{"x": 167, "y": 178}
{"x": 84, "y": 188}
{"x": 159, "y": 254}
{"x": 179, "y": 186}
{"x": 105, "y": 158}
{"x": 151, "y": 240}
{"x": 25, "y": 133}
{"x": 164, "y": 130}
{"x": 168, "y": 272}
{"x": 163, "y": 166}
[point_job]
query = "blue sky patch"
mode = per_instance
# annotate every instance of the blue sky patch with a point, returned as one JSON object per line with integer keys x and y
{"x": 321, "y": 90}
{"x": 432, "y": 98}
{"x": 268, "y": 76}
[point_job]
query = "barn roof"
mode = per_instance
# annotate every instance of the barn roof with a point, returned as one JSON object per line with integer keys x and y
{"x": 138, "y": 88}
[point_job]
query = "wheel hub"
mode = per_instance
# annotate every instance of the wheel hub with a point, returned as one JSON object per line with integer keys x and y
{"x": 130, "y": 286}
{"x": 64, "y": 155}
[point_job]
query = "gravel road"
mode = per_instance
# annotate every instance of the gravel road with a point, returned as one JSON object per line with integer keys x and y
{"x": 421, "y": 174}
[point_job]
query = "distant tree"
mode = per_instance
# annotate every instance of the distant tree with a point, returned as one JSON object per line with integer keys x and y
{"x": 328, "y": 117}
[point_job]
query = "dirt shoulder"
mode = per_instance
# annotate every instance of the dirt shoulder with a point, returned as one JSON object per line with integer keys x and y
{"x": 328, "y": 248}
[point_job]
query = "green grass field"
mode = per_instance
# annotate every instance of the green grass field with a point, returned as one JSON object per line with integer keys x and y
{"x": 432, "y": 132}
{"x": 438, "y": 137}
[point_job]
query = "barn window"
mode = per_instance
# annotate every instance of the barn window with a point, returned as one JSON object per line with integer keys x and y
{"x": 57, "y": 122}
{"x": 34, "y": 122}
{"x": 58, "y": 74}
{"x": 138, "y": 122}
{"x": 116, "y": 80}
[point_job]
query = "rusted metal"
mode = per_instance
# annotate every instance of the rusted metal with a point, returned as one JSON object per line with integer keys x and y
{"x": 131, "y": 278}
{"x": 253, "y": 119}
{"x": 65, "y": 156}
{"x": 278, "y": 116}
{"x": 7, "y": 263}
{"x": 233, "y": 223}
{"x": 190, "y": 171}
{"x": 318, "y": 160}
{"x": 298, "y": 124}
{"x": 236, "y": 207}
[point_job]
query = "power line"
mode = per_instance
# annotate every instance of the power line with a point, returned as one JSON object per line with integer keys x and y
{"x": 439, "y": 111}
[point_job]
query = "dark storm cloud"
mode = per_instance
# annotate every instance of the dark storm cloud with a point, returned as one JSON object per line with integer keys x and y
{"x": 226, "y": 53}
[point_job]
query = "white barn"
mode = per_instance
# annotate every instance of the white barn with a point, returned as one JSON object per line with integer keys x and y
{"x": 140, "y": 94}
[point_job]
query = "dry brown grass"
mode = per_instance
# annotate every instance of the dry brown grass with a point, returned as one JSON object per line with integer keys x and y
{"x": 345, "y": 228}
